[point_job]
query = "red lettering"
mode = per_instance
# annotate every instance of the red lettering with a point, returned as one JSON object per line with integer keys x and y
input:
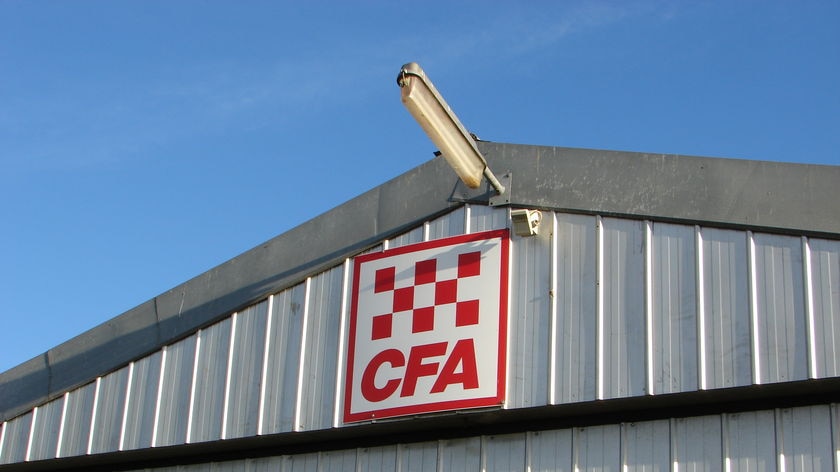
{"x": 369, "y": 389}
{"x": 416, "y": 368}
{"x": 463, "y": 354}
{"x": 460, "y": 368}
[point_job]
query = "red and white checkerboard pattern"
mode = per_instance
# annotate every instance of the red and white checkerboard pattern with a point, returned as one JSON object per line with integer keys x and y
{"x": 427, "y": 296}
{"x": 422, "y": 312}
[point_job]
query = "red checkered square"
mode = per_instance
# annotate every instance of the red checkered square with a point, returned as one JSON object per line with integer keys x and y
{"x": 425, "y": 272}
{"x": 384, "y": 280}
{"x": 423, "y": 319}
{"x": 469, "y": 264}
{"x": 381, "y": 326}
{"x": 446, "y": 292}
{"x": 403, "y": 299}
{"x": 466, "y": 313}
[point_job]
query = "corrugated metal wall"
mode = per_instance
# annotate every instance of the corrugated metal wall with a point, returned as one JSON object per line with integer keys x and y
{"x": 790, "y": 440}
{"x": 716, "y": 308}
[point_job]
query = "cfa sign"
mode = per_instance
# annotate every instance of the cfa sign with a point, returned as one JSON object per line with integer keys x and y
{"x": 428, "y": 328}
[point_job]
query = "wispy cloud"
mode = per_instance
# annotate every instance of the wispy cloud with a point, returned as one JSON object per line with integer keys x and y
{"x": 191, "y": 99}
{"x": 508, "y": 32}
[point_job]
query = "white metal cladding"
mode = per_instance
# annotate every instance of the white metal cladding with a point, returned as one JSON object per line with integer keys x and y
{"x": 75, "y": 430}
{"x": 141, "y": 400}
{"x": 16, "y": 438}
{"x": 108, "y": 415}
{"x": 621, "y": 308}
{"x": 319, "y": 354}
{"x": 778, "y": 309}
{"x": 792, "y": 440}
{"x": 172, "y": 412}
{"x": 245, "y": 368}
{"x": 672, "y": 308}
{"x": 44, "y": 436}
{"x": 208, "y": 382}
{"x": 823, "y": 304}
{"x": 574, "y": 302}
{"x": 278, "y": 394}
{"x": 723, "y": 309}
{"x": 600, "y": 307}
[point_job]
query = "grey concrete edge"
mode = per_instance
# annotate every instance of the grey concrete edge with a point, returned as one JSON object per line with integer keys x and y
{"x": 768, "y": 196}
{"x": 745, "y": 194}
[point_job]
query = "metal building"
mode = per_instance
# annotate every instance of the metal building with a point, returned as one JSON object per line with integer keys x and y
{"x": 671, "y": 313}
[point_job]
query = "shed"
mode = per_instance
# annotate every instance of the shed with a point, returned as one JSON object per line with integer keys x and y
{"x": 670, "y": 313}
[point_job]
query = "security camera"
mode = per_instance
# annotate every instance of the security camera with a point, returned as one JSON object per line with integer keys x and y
{"x": 526, "y": 222}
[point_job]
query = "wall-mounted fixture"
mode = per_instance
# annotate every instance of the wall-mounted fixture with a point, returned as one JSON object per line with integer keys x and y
{"x": 526, "y": 222}
{"x": 456, "y": 145}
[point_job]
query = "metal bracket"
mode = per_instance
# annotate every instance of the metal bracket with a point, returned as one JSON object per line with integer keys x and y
{"x": 504, "y": 197}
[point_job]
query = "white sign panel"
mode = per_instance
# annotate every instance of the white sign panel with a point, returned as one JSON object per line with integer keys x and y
{"x": 428, "y": 328}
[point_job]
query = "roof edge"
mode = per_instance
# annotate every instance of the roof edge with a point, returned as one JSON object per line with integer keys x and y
{"x": 771, "y": 196}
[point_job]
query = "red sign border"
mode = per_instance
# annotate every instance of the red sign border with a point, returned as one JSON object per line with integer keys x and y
{"x": 498, "y": 399}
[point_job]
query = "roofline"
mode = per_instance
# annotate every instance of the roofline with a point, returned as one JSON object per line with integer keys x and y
{"x": 776, "y": 197}
{"x": 452, "y": 425}
{"x": 767, "y": 196}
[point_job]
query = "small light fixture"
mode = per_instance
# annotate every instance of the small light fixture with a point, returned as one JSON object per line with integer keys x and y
{"x": 526, "y": 222}
{"x": 442, "y": 126}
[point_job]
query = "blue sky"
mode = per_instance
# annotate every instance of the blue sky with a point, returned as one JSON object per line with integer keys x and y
{"x": 143, "y": 143}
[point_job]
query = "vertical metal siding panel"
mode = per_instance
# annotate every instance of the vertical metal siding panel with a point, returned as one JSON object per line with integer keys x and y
{"x": 94, "y": 414}
{"x": 110, "y": 408}
{"x": 215, "y": 467}
{"x": 803, "y": 437}
{"x": 727, "y": 311}
{"x": 674, "y": 309}
{"x": 504, "y": 453}
{"x": 45, "y": 433}
{"x": 783, "y": 354}
{"x": 750, "y": 441}
{"x": 302, "y": 463}
{"x": 417, "y": 457}
{"x": 462, "y": 454}
{"x": 141, "y": 402}
{"x": 246, "y": 371}
{"x": 319, "y": 367}
{"x": 284, "y": 340}
{"x": 550, "y": 451}
{"x": 377, "y": 459}
{"x": 337, "y": 461}
{"x": 575, "y": 294}
{"x": 173, "y": 410}
{"x": 696, "y": 444}
{"x": 16, "y": 439}
{"x": 835, "y": 436}
{"x": 343, "y": 338}
{"x": 529, "y": 321}
{"x": 646, "y": 446}
{"x": 450, "y": 224}
{"x": 76, "y": 432}
{"x": 624, "y": 308}
{"x": 825, "y": 279}
{"x": 211, "y": 373}
{"x": 486, "y": 218}
{"x": 267, "y": 464}
{"x": 597, "y": 448}
{"x": 410, "y": 237}
{"x": 377, "y": 248}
